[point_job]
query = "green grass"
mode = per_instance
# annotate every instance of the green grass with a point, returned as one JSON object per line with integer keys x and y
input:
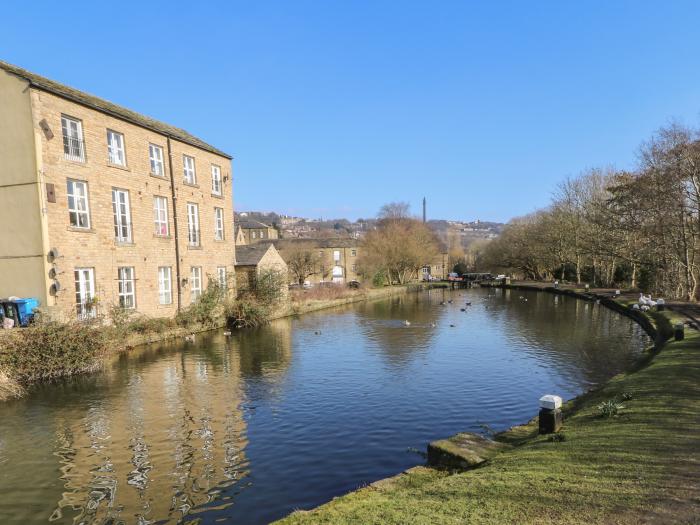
{"x": 639, "y": 465}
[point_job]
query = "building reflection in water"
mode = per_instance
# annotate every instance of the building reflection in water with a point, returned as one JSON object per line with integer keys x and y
{"x": 168, "y": 434}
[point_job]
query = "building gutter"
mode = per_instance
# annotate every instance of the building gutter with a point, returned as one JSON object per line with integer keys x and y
{"x": 176, "y": 234}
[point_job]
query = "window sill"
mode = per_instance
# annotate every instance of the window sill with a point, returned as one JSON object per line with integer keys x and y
{"x": 217, "y": 195}
{"x": 159, "y": 177}
{"x": 190, "y": 247}
{"x": 124, "y": 244}
{"x": 191, "y": 184}
{"x": 82, "y": 162}
{"x": 118, "y": 166}
{"x": 163, "y": 237}
{"x": 220, "y": 240}
{"x": 80, "y": 230}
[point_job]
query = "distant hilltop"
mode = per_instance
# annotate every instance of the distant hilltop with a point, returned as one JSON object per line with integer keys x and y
{"x": 304, "y": 227}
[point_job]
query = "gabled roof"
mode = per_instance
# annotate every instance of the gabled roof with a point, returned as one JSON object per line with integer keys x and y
{"x": 340, "y": 242}
{"x": 251, "y": 254}
{"x": 109, "y": 108}
{"x": 248, "y": 224}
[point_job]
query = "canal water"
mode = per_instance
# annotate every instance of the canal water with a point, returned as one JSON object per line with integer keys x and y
{"x": 249, "y": 428}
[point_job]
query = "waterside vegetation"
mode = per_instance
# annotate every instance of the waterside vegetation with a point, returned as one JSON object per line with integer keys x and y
{"x": 48, "y": 350}
{"x": 637, "y": 229}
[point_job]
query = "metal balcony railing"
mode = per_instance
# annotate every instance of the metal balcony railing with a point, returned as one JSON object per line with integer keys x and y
{"x": 74, "y": 148}
{"x": 193, "y": 237}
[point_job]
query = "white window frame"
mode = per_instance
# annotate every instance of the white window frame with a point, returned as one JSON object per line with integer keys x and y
{"x": 189, "y": 170}
{"x": 193, "y": 233}
{"x": 216, "y": 186}
{"x": 155, "y": 156}
{"x": 116, "y": 152}
{"x": 165, "y": 285}
{"x": 127, "y": 287}
{"x": 195, "y": 282}
{"x": 221, "y": 275}
{"x": 218, "y": 224}
{"x": 84, "y": 279}
{"x": 160, "y": 216}
{"x": 121, "y": 211}
{"x": 81, "y": 203}
{"x": 73, "y": 144}
{"x": 336, "y": 255}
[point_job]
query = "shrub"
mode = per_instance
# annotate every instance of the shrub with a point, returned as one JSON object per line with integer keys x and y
{"x": 558, "y": 437}
{"x": 609, "y": 408}
{"x": 207, "y": 309}
{"x": 246, "y": 312}
{"x": 50, "y": 350}
{"x": 144, "y": 324}
{"x": 119, "y": 316}
{"x": 269, "y": 286}
{"x": 378, "y": 279}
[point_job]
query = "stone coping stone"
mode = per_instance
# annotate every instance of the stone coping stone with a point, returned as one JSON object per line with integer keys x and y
{"x": 465, "y": 450}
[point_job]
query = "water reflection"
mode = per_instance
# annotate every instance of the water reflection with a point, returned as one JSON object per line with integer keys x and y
{"x": 383, "y": 325}
{"x": 250, "y": 427}
{"x": 171, "y": 438}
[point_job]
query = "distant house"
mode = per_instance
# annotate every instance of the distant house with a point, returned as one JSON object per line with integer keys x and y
{"x": 254, "y": 259}
{"x": 249, "y": 231}
{"x": 438, "y": 268}
{"x": 337, "y": 258}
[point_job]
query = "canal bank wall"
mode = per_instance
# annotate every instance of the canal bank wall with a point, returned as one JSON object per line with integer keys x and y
{"x": 639, "y": 465}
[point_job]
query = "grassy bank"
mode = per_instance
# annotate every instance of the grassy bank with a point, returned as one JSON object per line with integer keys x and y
{"x": 640, "y": 465}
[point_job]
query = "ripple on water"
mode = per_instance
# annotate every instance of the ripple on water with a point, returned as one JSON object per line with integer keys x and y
{"x": 248, "y": 428}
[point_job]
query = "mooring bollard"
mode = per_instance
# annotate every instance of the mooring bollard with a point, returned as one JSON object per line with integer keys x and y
{"x": 679, "y": 331}
{"x": 550, "y": 418}
{"x": 617, "y": 292}
{"x": 556, "y": 284}
{"x": 588, "y": 287}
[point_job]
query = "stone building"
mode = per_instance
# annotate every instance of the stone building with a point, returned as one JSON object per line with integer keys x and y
{"x": 438, "y": 268}
{"x": 336, "y": 258}
{"x": 254, "y": 259}
{"x": 249, "y": 231}
{"x": 103, "y": 206}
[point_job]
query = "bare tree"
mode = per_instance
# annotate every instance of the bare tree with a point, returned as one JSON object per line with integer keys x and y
{"x": 395, "y": 210}
{"x": 398, "y": 249}
{"x": 303, "y": 261}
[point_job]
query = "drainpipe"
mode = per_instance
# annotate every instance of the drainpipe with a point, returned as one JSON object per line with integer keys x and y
{"x": 177, "y": 235}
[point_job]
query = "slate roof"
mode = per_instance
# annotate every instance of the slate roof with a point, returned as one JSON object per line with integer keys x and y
{"x": 248, "y": 224}
{"x": 250, "y": 255}
{"x": 109, "y": 108}
{"x": 340, "y": 242}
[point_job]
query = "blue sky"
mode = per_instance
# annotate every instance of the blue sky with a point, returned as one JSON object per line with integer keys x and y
{"x": 332, "y": 108}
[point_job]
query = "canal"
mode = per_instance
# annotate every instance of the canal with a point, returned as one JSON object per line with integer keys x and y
{"x": 248, "y": 428}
